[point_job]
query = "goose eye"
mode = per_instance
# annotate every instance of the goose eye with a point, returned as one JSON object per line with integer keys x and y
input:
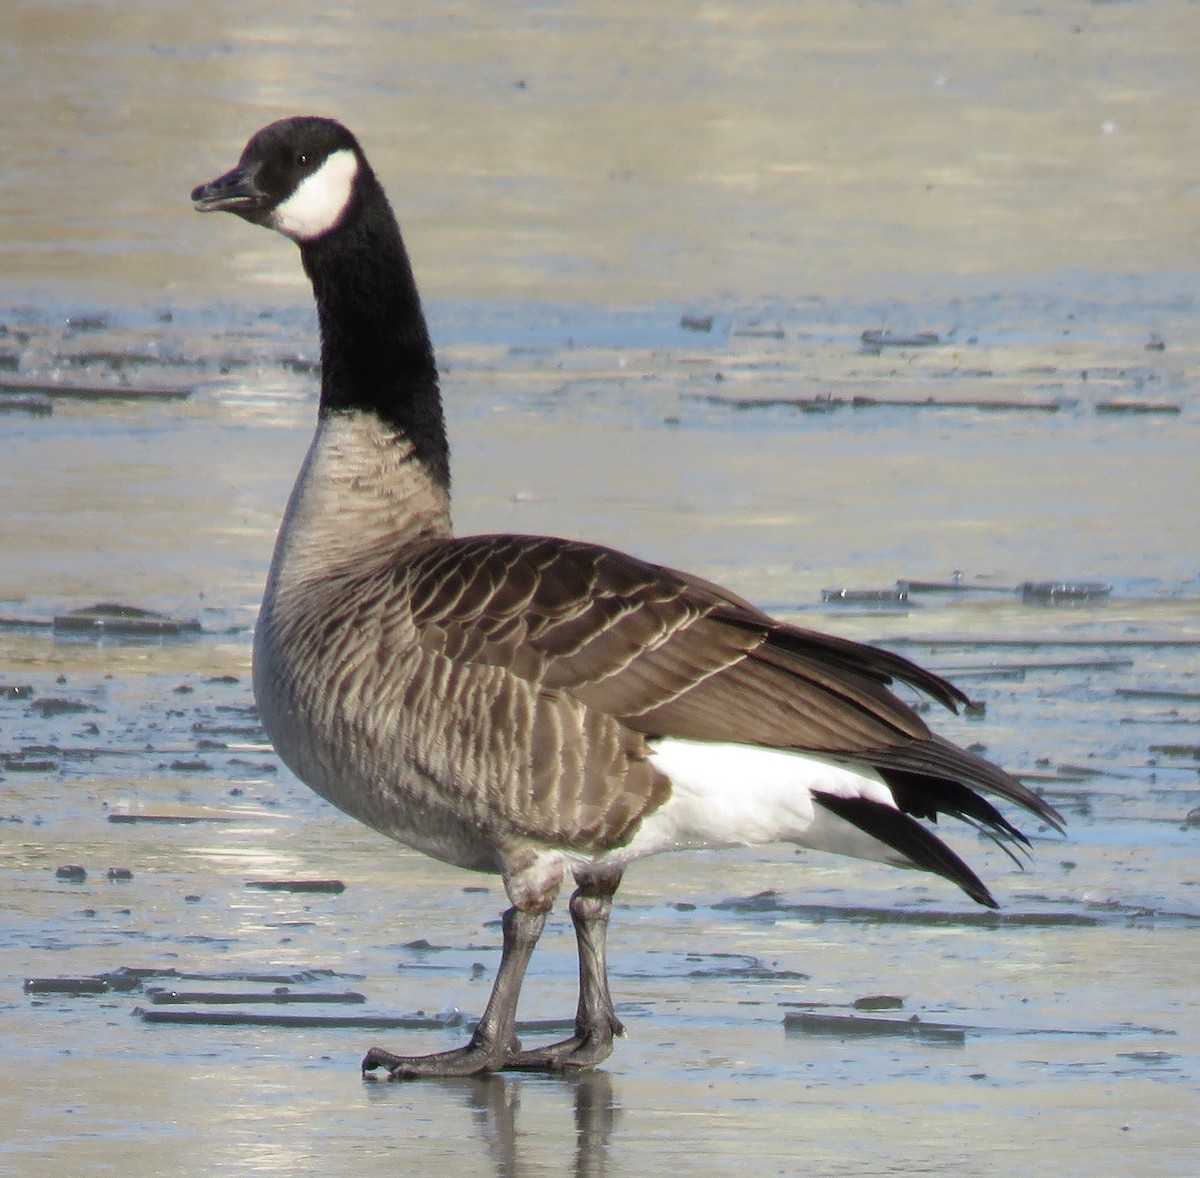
{"x": 301, "y": 160}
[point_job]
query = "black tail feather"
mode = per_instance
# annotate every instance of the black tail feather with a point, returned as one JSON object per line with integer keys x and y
{"x": 916, "y": 843}
{"x": 936, "y": 774}
{"x": 927, "y": 797}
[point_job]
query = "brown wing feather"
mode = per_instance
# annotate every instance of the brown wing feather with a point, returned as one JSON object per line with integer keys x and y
{"x": 604, "y": 651}
{"x": 665, "y": 653}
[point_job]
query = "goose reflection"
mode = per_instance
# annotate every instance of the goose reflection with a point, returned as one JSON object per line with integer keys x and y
{"x": 496, "y": 1102}
{"x": 516, "y": 1142}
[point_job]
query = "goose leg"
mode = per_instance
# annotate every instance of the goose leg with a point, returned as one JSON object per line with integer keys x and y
{"x": 494, "y": 1042}
{"x": 596, "y": 1023}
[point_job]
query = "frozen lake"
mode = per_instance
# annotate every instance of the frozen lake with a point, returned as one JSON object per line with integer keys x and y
{"x": 651, "y": 240}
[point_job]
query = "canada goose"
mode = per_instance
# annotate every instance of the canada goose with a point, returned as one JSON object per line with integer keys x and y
{"x": 533, "y": 706}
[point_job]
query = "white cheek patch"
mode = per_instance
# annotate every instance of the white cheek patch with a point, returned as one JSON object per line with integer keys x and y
{"x": 320, "y": 200}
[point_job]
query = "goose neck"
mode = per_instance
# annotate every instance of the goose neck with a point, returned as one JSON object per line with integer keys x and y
{"x": 376, "y": 352}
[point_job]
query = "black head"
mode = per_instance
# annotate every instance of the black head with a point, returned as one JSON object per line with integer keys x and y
{"x": 298, "y": 176}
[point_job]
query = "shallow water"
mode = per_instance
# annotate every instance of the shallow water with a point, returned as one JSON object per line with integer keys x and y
{"x": 582, "y": 191}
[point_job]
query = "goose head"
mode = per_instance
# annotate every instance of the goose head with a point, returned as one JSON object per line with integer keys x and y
{"x": 298, "y": 176}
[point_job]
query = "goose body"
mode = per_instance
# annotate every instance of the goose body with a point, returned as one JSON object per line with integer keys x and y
{"x": 533, "y": 706}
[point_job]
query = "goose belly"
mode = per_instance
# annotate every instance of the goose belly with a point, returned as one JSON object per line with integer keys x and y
{"x": 342, "y": 735}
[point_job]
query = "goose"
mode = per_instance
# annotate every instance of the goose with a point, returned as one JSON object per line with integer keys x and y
{"x": 536, "y": 707}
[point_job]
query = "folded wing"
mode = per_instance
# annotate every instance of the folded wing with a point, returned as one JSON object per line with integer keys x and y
{"x": 605, "y": 648}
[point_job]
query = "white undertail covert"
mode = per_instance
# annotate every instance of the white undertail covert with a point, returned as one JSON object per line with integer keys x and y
{"x": 727, "y": 795}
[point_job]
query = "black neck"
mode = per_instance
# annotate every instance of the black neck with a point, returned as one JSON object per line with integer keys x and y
{"x": 376, "y": 354}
